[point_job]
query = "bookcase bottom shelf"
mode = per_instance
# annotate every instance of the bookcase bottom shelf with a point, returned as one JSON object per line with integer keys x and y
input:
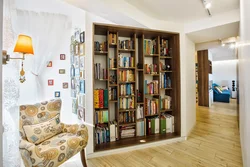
{"x": 134, "y": 141}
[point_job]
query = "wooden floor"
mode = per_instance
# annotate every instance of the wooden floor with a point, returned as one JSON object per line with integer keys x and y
{"x": 213, "y": 142}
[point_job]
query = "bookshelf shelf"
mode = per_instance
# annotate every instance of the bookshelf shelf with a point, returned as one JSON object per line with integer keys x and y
{"x": 101, "y": 52}
{"x": 126, "y": 110}
{"x": 133, "y": 80}
{"x": 126, "y": 50}
{"x": 165, "y": 57}
{"x": 166, "y": 110}
{"x": 127, "y": 124}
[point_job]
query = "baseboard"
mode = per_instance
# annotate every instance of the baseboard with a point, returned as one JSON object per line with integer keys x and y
{"x": 132, "y": 148}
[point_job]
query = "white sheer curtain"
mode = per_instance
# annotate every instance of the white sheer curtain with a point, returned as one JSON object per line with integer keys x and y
{"x": 47, "y": 31}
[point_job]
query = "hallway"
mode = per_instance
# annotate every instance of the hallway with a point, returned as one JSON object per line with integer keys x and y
{"x": 214, "y": 142}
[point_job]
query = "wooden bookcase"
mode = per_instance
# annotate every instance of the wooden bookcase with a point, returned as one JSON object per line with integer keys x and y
{"x": 138, "y": 71}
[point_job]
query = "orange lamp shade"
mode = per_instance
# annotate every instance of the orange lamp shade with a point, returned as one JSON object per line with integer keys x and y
{"x": 24, "y": 45}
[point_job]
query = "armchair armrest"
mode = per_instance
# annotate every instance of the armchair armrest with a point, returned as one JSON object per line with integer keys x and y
{"x": 77, "y": 129}
{"x": 24, "y": 144}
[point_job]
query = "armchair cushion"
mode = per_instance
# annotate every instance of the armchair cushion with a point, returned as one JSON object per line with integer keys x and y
{"x": 40, "y": 132}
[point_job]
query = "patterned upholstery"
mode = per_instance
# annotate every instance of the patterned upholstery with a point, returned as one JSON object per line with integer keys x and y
{"x": 57, "y": 149}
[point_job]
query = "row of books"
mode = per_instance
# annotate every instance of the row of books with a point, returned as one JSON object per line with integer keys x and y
{"x": 140, "y": 128}
{"x": 127, "y": 103}
{"x": 100, "y": 73}
{"x": 102, "y": 134}
{"x": 127, "y": 131}
{"x": 112, "y": 38}
{"x": 165, "y": 81}
{"x": 126, "y": 61}
{"x": 101, "y": 116}
{"x": 150, "y": 46}
{"x": 151, "y": 68}
{"x": 112, "y": 63}
{"x": 166, "y": 103}
{"x": 127, "y": 117}
{"x": 167, "y": 123}
{"x": 126, "y": 76}
{"x": 126, "y": 44}
{"x": 151, "y": 87}
{"x": 151, "y": 106}
{"x": 164, "y": 47}
{"x": 101, "y": 98}
{"x": 112, "y": 93}
{"x": 152, "y": 125}
{"x": 100, "y": 46}
{"x": 127, "y": 89}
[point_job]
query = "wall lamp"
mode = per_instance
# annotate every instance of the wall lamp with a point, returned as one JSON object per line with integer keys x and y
{"x": 23, "y": 46}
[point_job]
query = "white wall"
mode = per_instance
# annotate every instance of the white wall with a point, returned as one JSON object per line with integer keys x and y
{"x": 225, "y": 71}
{"x": 244, "y": 82}
{"x": 1, "y": 109}
{"x": 190, "y": 85}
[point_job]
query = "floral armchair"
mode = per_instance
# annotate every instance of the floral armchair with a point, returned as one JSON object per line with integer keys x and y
{"x": 45, "y": 141}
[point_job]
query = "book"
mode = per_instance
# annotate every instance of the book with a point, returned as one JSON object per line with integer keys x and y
{"x": 150, "y": 46}
{"x": 140, "y": 128}
{"x": 126, "y": 61}
{"x": 112, "y": 132}
{"x": 101, "y": 116}
{"x": 112, "y": 38}
{"x": 164, "y": 47}
{"x": 151, "y": 87}
{"x": 127, "y": 131}
{"x": 126, "y": 76}
{"x": 106, "y": 98}
{"x": 163, "y": 124}
{"x": 151, "y": 106}
{"x": 151, "y": 68}
{"x": 126, "y": 44}
{"x": 100, "y": 73}
{"x": 157, "y": 124}
{"x": 102, "y": 134}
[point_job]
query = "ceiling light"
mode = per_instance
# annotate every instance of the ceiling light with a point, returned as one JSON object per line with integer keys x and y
{"x": 223, "y": 45}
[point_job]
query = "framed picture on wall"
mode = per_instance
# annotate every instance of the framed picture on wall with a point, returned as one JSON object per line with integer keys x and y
{"x": 57, "y": 94}
{"x": 77, "y": 63}
{"x": 61, "y": 71}
{"x": 76, "y": 49}
{"x": 82, "y": 49}
{"x": 81, "y": 100}
{"x": 82, "y": 62}
{"x": 62, "y": 57}
{"x": 72, "y": 59}
{"x": 81, "y": 113}
{"x": 50, "y": 82}
{"x": 49, "y": 64}
{"x": 72, "y": 48}
{"x": 82, "y": 86}
{"x": 73, "y": 83}
{"x": 82, "y": 37}
{"x": 65, "y": 85}
{"x": 77, "y": 34}
{"x": 77, "y": 72}
{"x": 82, "y": 74}
{"x": 73, "y": 93}
{"x": 74, "y": 106}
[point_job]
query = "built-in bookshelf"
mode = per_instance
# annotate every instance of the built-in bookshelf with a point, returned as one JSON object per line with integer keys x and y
{"x": 136, "y": 86}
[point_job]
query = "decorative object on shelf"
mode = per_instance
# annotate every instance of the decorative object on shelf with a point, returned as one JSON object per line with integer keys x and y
{"x": 139, "y": 98}
{"x": 62, "y": 56}
{"x": 50, "y": 82}
{"x": 65, "y": 85}
{"x": 61, "y": 71}
{"x": 49, "y": 64}
{"x": 57, "y": 93}
{"x": 23, "y": 46}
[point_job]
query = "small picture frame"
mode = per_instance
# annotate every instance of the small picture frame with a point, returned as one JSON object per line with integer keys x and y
{"x": 49, "y": 64}
{"x": 77, "y": 34}
{"x": 72, "y": 71}
{"x": 81, "y": 100}
{"x": 61, "y": 71}
{"x": 82, "y": 86}
{"x": 73, "y": 93}
{"x": 82, "y": 74}
{"x": 72, "y": 59}
{"x": 82, "y": 37}
{"x": 50, "y": 82}
{"x": 62, "y": 57}
{"x": 82, "y": 49}
{"x": 72, "y": 48}
{"x": 65, "y": 85}
{"x": 77, "y": 72}
{"x": 81, "y": 113}
{"x": 76, "y": 49}
{"x": 77, "y": 63}
{"x": 74, "y": 106}
{"x": 57, "y": 94}
{"x": 82, "y": 62}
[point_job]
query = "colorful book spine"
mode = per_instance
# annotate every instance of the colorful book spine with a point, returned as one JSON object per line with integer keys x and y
{"x": 96, "y": 98}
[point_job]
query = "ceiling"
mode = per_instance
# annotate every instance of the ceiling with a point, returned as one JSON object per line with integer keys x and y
{"x": 182, "y": 10}
{"x": 223, "y": 53}
{"x": 215, "y": 33}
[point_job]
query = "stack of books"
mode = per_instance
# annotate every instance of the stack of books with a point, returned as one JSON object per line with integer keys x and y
{"x": 140, "y": 128}
{"x": 101, "y": 117}
{"x": 100, "y": 46}
{"x": 151, "y": 68}
{"x": 112, "y": 93}
{"x": 150, "y": 46}
{"x": 100, "y": 73}
{"x": 127, "y": 103}
{"x": 112, "y": 63}
{"x": 126, "y": 61}
{"x": 166, "y": 103}
{"x": 113, "y": 131}
{"x": 101, "y": 98}
{"x": 127, "y": 117}
{"x": 127, "y": 89}
{"x": 164, "y": 47}
{"x": 102, "y": 134}
{"x": 151, "y": 87}
{"x": 126, "y": 76}
{"x": 112, "y": 38}
{"x": 167, "y": 123}
{"x": 127, "y": 131}
{"x": 165, "y": 81}
{"x": 151, "y": 106}
{"x": 153, "y": 125}
{"x": 126, "y": 44}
